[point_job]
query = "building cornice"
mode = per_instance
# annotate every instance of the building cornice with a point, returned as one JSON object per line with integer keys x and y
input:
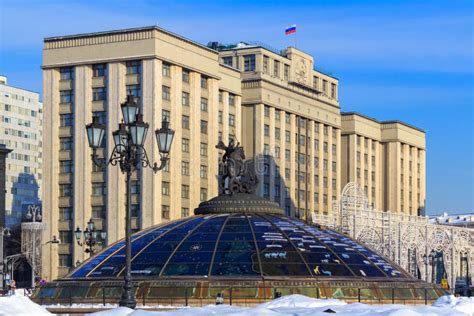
{"x": 108, "y": 37}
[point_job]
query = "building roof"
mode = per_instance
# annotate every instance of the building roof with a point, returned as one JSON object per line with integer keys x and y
{"x": 382, "y": 122}
{"x": 129, "y": 30}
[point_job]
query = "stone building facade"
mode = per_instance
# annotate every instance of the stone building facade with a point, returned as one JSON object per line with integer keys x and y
{"x": 285, "y": 113}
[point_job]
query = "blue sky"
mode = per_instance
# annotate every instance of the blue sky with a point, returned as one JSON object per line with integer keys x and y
{"x": 406, "y": 60}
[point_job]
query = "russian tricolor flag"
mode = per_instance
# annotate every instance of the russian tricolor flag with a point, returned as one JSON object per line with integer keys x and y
{"x": 290, "y": 30}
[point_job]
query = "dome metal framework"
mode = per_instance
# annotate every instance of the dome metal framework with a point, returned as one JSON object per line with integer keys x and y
{"x": 256, "y": 246}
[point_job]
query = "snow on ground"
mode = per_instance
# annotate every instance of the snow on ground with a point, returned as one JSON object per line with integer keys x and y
{"x": 295, "y": 305}
{"x": 299, "y": 305}
{"x": 19, "y": 304}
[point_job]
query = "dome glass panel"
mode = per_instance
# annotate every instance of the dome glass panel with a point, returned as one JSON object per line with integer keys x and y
{"x": 252, "y": 246}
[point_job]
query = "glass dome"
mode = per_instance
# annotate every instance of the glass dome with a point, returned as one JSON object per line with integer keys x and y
{"x": 255, "y": 246}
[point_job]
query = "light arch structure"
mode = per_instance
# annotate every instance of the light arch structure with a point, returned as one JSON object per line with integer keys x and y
{"x": 401, "y": 237}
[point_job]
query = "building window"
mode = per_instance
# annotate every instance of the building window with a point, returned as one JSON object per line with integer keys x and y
{"x": 165, "y": 188}
{"x": 316, "y": 180}
{"x": 166, "y": 70}
{"x": 203, "y": 127}
{"x": 134, "y": 90}
{"x": 185, "y": 191}
{"x": 185, "y": 99}
{"x": 66, "y": 120}
{"x": 185, "y": 121}
{"x": 185, "y": 168}
{"x": 221, "y": 117}
{"x": 66, "y": 96}
{"x": 287, "y": 154}
{"x": 249, "y": 63}
{"x": 333, "y": 90}
{"x": 135, "y": 187}
{"x": 203, "y": 150}
{"x": 66, "y": 166}
{"x": 265, "y": 64}
{"x": 98, "y": 70}
{"x": 266, "y": 111}
{"x": 66, "y": 73}
{"x": 286, "y": 73}
{"x": 315, "y": 82}
{"x": 165, "y": 211}
{"x": 203, "y": 194}
{"x": 184, "y": 212}
{"x": 98, "y": 188}
{"x": 325, "y": 164}
{"x": 185, "y": 145}
{"x": 133, "y": 67}
{"x": 287, "y": 136}
{"x": 221, "y": 96}
{"x": 99, "y": 211}
{"x": 316, "y": 162}
{"x": 231, "y": 120}
{"x": 276, "y": 68}
{"x": 358, "y": 173}
{"x": 227, "y": 60}
{"x": 334, "y": 167}
{"x": 99, "y": 94}
{"x": 66, "y": 143}
{"x": 231, "y": 99}
{"x": 166, "y": 93}
{"x": 277, "y": 115}
{"x": 203, "y": 82}
{"x": 135, "y": 210}
{"x": 65, "y": 190}
{"x": 203, "y": 171}
{"x": 333, "y": 183}
{"x": 287, "y": 118}
{"x": 185, "y": 75}
{"x": 165, "y": 115}
{"x": 325, "y": 147}
{"x": 65, "y": 260}
{"x": 65, "y": 213}
{"x": 325, "y": 85}
{"x": 204, "y": 104}
{"x": 277, "y": 133}
{"x": 101, "y": 116}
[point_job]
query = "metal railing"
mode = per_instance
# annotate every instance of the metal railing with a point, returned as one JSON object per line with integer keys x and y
{"x": 171, "y": 297}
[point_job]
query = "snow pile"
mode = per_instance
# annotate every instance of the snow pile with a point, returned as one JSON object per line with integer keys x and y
{"x": 299, "y": 305}
{"x": 461, "y": 304}
{"x": 20, "y": 305}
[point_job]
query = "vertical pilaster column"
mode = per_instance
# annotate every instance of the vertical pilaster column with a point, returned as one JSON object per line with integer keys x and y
{"x": 151, "y": 198}
{"x": 50, "y": 257}
{"x": 238, "y": 117}
{"x": 282, "y": 160}
{"x": 116, "y": 94}
{"x": 422, "y": 178}
{"x": 293, "y": 165}
{"x": 225, "y": 118}
{"x": 370, "y": 183}
{"x": 271, "y": 162}
{"x": 213, "y": 127}
{"x": 176, "y": 152}
{"x": 195, "y": 140}
{"x": 330, "y": 171}
{"x": 259, "y": 141}
{"x": 406, "y": 176}
{"x": 338, "y": 163}
{"x": 82, "y": 154}
{"x": 379, "y": 174}
{"x": 322, "y": 206}
{"x": 312, "y": 154}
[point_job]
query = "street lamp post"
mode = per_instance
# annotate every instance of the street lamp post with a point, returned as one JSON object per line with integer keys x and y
{"x": 3, "y": 232}
{"x": 33, "y": 215}
{"x": 89, "y": 237}
{"x": 130, "y": 155}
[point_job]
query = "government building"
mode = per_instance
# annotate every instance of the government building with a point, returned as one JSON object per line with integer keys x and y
{"x": 285, "y": 113}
